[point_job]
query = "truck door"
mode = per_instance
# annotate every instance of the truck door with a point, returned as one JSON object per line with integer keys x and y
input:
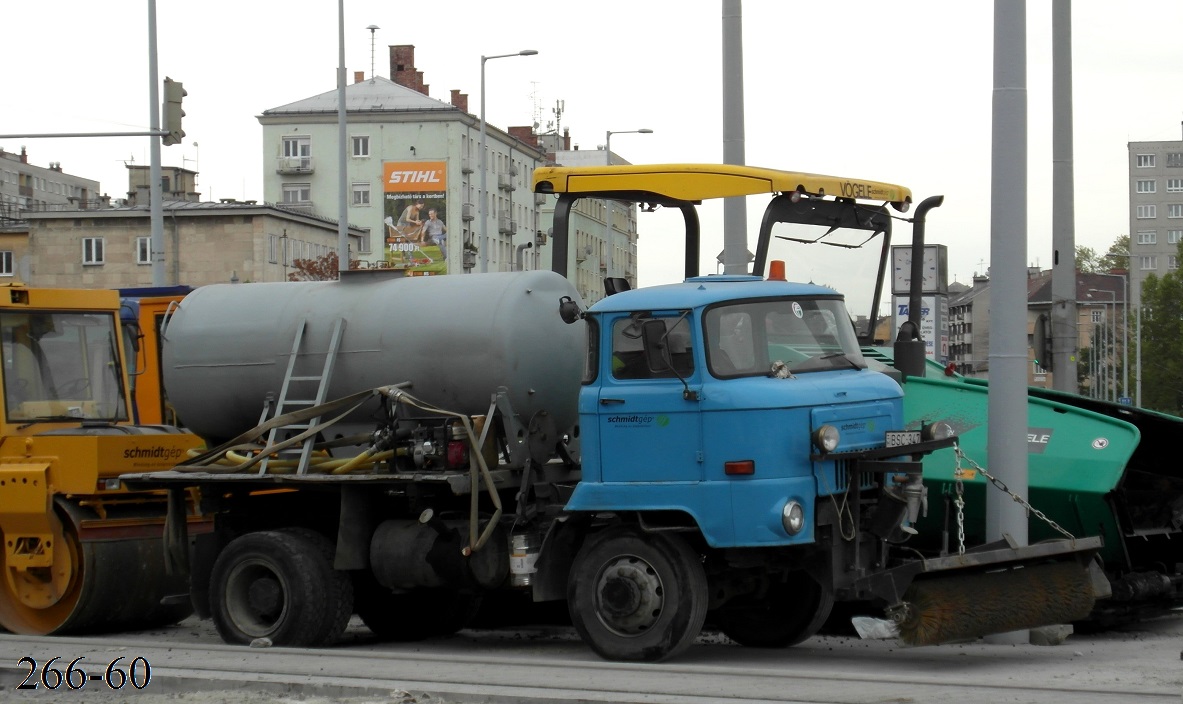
{"x": 649, "y": 430}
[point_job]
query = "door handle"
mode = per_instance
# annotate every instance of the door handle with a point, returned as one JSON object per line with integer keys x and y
{"x": 609, "y": 401}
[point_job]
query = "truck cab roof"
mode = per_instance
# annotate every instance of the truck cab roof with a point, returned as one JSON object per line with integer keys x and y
{"x": 705, "y": 290}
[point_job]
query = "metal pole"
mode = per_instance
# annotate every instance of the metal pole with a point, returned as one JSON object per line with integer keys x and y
{"x": 342, "y": 160}
{"x": 1007, "y": 398}
{"x": 736, "y": 257}
{"x": 1138, "y": 361}
{"x": 608, "y": 201}
{"x": 1065, "y": 336}
{"x": 155, "y": 190}
{"x": 481, "y": 205}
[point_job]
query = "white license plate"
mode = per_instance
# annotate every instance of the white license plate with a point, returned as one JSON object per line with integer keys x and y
{"x": 900, "y": 438}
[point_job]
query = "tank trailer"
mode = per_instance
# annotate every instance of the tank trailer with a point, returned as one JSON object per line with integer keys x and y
{"x": 712, "y": 452}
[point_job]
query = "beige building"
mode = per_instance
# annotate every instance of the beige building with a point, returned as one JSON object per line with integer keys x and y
{"x": 205, "y": 243}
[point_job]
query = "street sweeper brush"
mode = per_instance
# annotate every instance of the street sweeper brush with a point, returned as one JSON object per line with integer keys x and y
{"x": 944, "y": 609}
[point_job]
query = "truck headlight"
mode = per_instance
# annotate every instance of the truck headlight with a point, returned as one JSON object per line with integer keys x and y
{"x": 826, "y": 438}
{"x": 792, "y": 517}
{"x": 936, "y": 431}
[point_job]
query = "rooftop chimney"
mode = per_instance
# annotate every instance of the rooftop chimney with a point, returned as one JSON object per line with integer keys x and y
{"x": 359, "y": 76}
{"x": 460, "y": 100}
{"x": 402, "y": 68}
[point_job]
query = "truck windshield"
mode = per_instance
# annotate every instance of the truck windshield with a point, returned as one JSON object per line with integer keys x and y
{"x": 807, "y": 335}
{"x": 61, "y": 366}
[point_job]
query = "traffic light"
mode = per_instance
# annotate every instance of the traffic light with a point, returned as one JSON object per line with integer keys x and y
{"x": 1043, "y": 341}
{"x": 173, "y": 92}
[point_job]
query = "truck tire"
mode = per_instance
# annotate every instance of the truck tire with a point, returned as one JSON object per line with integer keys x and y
{"x": 637, "y": 596}
{"x": 411, "y": 616}
{"x": 786, "y": 614}
{"x": 277, "y": 585}
{"x": 338, "y": 602}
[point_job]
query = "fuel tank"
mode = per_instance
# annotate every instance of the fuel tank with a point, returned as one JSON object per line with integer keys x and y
{"x": 455, "y": 338}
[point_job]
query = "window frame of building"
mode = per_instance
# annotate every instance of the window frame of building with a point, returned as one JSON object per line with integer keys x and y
{"x": 1144, "y": 161}
{"x": 360, "y": 146}
{"x": 300, "y": 189}
{"x": 272, "y": 249}
{"x": 1097, "y": 316}
{"x": 1173, "y": 236}
{"x": 1146, "y": 211}
{"x": 93, "y": 251}
{"x": 1147, "y": 236}
{"x": 1175, "y": 185}
{"x": 6, "y": 262}
{"x": 1172, "y": 262}
{"x": 1146, "y": 185}
{"x": 143, "y": 250}
{"x": 1148, "y": 262}
{"x": 1175, "y": 210}
{"x": 1174, "y": 159}
{"x": 360, "y": 194}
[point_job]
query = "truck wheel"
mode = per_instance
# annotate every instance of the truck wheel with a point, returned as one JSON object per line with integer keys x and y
{"x": 788, "y": 613}
{"x": 637, "y": 596}
{"x": 277, "y": 585}
{"x": 410, "y": 616}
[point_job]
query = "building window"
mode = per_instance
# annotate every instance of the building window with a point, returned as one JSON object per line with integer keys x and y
{"x": 1175, "y": 210}
{"x": 1172, "y": 262}
{"x": 5, "y": 263}
{"x": 1145, "y": 161}
{"x": 1147, "y": 236}
{"x": 1174, "y": 159}
{"x": 361, "y": 145}
{"x": 1146, "y": 185}
{"x": 298, "y": 150}
{"x": 273, "y": 249}
{"x": 301, "y": 193}
{"x": 1174, "y": 185}
{"x": 1173, "y": 236}
{"x": 1098, "y": 316}
{"x": 1148, "y": 263}
{"x": 1146, "y": 212}
{"x": 92, "y": 250}
{"x": 143, "y": 250}
{"x": 361, "y": 194}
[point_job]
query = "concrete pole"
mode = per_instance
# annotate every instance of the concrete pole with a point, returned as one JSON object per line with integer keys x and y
{"x": 1063, "y": 313}
{"x": 1007, "y": 399}
{"x": 735, "y": 216}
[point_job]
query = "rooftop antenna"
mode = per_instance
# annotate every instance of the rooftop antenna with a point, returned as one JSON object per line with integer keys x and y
{"x": 372, "y": 29}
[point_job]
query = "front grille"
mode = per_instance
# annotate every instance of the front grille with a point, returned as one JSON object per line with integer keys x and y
{"x": 833, "y": 478}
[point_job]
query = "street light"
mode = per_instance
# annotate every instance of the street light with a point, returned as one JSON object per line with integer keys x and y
{"x": 1137, "y": 330}
{"x": 608, "y": 201}
{"x": 484, "y": 196}
{"x": 1109, "y": 348}
{"x": 1125, "y": 332}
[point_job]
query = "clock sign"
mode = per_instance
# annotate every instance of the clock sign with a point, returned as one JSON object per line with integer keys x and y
{"x": 933, "y": 269}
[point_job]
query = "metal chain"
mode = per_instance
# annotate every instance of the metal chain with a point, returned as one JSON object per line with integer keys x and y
{"x": 999, "y": 484}
{"x": 959, "y": 502}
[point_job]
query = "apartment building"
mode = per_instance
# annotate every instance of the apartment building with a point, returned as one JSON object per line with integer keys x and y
{"x": 1156, "y": 210}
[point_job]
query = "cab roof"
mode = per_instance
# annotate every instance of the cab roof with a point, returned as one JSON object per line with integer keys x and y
{"x": 704, "y": 291}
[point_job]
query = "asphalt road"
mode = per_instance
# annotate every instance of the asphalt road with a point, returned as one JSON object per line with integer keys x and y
{"x": 1142, "y": 663}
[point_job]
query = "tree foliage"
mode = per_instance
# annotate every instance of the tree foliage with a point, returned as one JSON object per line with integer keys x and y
{"x": 1090, "y": 261}
{"x": 322, "y": 268}
{"x": 1162, "y": 341}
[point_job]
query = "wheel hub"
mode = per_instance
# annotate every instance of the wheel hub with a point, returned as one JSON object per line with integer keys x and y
{"x": 265, "y": 597}
{"x": 629, "y": 596}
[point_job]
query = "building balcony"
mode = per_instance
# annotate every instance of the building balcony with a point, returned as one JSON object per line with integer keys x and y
{"x": 505, "y": 181}
{"x": 294, "y": 165}
{"x": 468, "y": 212}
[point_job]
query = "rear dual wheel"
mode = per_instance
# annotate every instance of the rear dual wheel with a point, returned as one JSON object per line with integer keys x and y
{"x": 280, "y": 585}
{"x": 637, "y": 596}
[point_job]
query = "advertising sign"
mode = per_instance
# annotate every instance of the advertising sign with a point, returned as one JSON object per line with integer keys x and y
{"x": 415, "y": 200}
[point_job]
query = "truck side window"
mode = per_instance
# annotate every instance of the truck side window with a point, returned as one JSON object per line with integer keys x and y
{"x": 628, "y": 350}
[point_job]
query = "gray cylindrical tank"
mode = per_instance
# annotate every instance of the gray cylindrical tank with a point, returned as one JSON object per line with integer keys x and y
{"x": 455, "y": 338}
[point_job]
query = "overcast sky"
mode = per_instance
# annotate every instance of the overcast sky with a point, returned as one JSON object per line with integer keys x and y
{"x": 897, "y": 92}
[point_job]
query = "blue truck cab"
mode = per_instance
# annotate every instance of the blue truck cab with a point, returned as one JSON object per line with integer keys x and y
{"x": 704, "y": 397}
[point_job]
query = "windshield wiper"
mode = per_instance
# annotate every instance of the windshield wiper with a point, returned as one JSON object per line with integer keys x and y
{"x": 53, "y": 419}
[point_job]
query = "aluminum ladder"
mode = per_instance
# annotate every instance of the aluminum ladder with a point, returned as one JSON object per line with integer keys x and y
{"x": 293, "y": 381}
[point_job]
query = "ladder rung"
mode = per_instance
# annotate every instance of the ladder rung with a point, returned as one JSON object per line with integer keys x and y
{"x": 306, "y": 378}
{"x": 298, "y": 426}
{"x": 299, "y": 402}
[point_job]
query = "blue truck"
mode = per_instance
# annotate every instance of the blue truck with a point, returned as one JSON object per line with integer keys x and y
{"x": 711, "y": 453}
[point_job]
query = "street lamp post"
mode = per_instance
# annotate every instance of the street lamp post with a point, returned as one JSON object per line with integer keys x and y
{"x": 484, "y": 160}
{"x": 1138, "y": 330}
{"x": 608, "y": 201}
{"x": 1125, "y": 332}
{"x": 1109, "y": 348}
